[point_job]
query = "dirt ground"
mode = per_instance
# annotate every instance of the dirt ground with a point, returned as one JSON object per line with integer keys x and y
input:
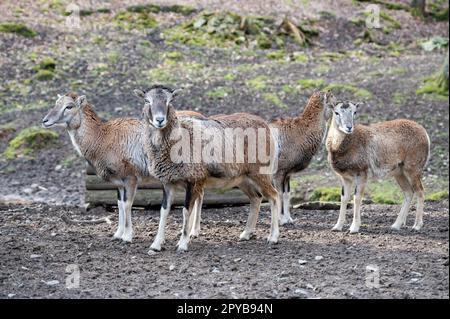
{"x": 310, "y": 261}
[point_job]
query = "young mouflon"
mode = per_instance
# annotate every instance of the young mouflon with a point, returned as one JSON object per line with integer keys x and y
{"x": 114, "y": 148}
{"x": 163, "y": 125}
{"x": 398, "y": 148}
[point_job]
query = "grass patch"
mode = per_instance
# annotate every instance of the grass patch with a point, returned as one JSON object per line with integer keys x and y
{"x": 135, "y": 20}
{"x": 300, "y": 57}
{"x": 219, "y": 93}
{"x": 437, "y": 196}
{"x": 326, "y": 194}
{"x": 45, "y": 70}
{"x": 274, "y": 99}
{"x": 311, "y": 83}
{"x": 321, "y": 69}
{"x": 399, "y": 98}
{"x": 29, "y": 141}
{"x": 339, "y": 87}
{"x": 17, "y": 28}
{"x": 276, "y": 55}
{"x": 229, "y": 77}
{"x": 113, "y": 57}
{"x": 385, "y": 192}
{"x": 44, "y": 75}
{"x": 431, "y": 86}
{"x": 258, "y": 83}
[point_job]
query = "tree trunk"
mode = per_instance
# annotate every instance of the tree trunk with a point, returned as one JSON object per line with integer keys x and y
{"x": 442, "y": 80}
{"x": 418, "y": 7}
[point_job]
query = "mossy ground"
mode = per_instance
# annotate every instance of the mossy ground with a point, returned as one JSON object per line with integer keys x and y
{"x": 17, "y": 28}
{"x": 29, "y": 141}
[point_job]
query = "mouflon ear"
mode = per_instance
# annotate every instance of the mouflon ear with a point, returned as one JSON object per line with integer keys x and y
{"x": 176, "y": 92}
{"x": 357, "y": 104}
{"x": 81, "y": 101}
{"x": 329, "y": 99}
{"x": 173, "y": 94}
{"x": 139, "y": 93}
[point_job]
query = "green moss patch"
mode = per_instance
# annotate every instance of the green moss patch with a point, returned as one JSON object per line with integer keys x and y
{"x": 274, "y": 99}
{"x": 258, "y": 83}
{"x": 153, "y": 8}
{"x": 432, "y": 85}
{"x": 311, "y": 83}
{"x": 358, "y": 92}
{"x": 135, "y": 20}
{"x": 226, "y": 29}
{"x": 17, "y": 28}
{"x": 326, "y": 194}
{"x": 29, "y": 141}
{"x": 219, "y": 93}
{"x": 437, "y": 196}
{"x": 45, "y": 70}
{"x": 385, "y": 192}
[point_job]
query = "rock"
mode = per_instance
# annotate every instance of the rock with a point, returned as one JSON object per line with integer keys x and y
{"x": 215, "y": 270}
{"x": 34, "y": 256}
{"x": 302, "y": 262}
{"x": 318, "y": 258}
{"x": 58, "y": 167}
{"x": 52, "y": 282}
{"x": 237, "y": 260}
{"x": 171, "y": 267}
{"x": 418, "y": 274}
{"x": 11, "y": 295}
{"x": 299, "y": 291}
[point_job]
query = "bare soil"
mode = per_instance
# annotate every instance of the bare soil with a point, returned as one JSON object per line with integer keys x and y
{"x": 310, "y": 260}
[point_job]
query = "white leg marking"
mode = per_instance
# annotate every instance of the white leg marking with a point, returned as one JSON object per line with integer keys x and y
{"x": 160, "y": 236}
{"x": 345, "y": 198}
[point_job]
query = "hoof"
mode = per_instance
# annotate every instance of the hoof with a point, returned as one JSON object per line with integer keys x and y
{"x": 182, "y": 248}
{"x": 396, "y": 227}
{"x": 194, "y": 234}
{"x": 272, "y": 240}
{"x": 354, "y": 229}
{"x": 244, "y": 236}
{"x": 337, "y": 228}
{"x": 286, "y": 220}
{"x": 127, "y": 238}
{"x": 155, "y": 247}
{"x": 417, "y": 227}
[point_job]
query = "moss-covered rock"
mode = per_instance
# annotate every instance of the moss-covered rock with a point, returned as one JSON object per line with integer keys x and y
{"x": 29, "y": 141}
{"x": 47, "y": 63}
{"x": 17, "y": 28}
{"x": 44, "y": 75}
{"x": 227, "y": 29}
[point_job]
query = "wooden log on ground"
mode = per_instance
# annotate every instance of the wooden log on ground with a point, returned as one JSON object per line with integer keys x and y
{"x": 93, "y": 182}
{"x": 153, "y": 198}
